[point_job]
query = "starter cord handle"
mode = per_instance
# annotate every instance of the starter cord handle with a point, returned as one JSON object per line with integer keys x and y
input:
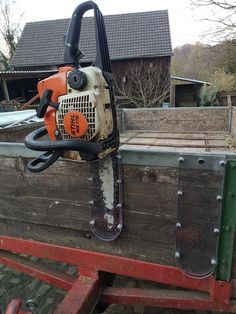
{"x": 71, "y": 50}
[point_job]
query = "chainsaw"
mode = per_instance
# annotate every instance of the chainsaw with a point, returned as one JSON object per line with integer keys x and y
{"x": 78, "y": 108}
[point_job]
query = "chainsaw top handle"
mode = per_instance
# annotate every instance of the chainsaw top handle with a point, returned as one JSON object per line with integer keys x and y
{"x": 72, "y": 54}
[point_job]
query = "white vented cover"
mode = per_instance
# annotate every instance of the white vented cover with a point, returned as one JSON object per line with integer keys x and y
{"x": 83, "y": 102}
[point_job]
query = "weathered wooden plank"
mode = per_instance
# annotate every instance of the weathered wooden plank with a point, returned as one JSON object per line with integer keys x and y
{"x": 167, "y": 142}
{"x": 53, "y": 200}
{"x": 217, "y": 143}
{"x": 17, "y": 134}
{"x": 177, "y": 143}
{"x": 124, "y": 140}
{"x": 65, "y": 214}
{"x": 44, "y": 211}
{"x": 52, "y": 206}
{"x": 168, "y": 135}
{"x": 52, "y": 182}
{"x": 177, "y": 119}
{"x": 182, "y": 135}
{"x": 141, "y": 141}
{"x": 180, "y": 142}
{"x": 196, "y": 178}
{"x": 150, "y": 174}
{"x": 200, "y": 195}
{"x": 151, "y": 198}
{"x": 143, "y": 250}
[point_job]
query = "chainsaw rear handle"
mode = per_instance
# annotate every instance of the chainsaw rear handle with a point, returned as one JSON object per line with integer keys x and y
{"x": 71, "y": 51}
{"x": 32, "y": 142}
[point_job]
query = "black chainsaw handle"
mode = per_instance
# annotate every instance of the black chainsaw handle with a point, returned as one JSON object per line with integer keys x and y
{"x": 71, "y": 50}
{"x": 32, "y": 142}
{"x": 42, "y": 162}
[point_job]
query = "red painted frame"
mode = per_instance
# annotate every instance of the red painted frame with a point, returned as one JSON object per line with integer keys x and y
{"x": 85, "y": 292}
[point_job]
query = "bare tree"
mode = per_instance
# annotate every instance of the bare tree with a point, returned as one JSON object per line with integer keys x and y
{"x": 9, "y": 31}
{"x": 143, "y": 85}
{"x": 222, "y": 15}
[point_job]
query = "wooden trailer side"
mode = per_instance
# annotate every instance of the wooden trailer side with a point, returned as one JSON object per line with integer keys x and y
{"x": 53, "y": 206}
{"x": 200, "y": 119}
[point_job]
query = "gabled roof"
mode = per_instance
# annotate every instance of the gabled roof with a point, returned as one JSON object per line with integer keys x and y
{"x": 132, "y": 35}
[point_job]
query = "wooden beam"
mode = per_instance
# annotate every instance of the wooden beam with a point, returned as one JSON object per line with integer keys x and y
{"x": 172, "y": 96}
{"x": 5, "y": 90}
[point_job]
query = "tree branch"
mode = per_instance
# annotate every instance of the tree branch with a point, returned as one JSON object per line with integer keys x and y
{"x": 143, "y": 84}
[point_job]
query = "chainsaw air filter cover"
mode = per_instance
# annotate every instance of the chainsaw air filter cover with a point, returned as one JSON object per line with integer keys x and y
{"x": 93, "y": 102}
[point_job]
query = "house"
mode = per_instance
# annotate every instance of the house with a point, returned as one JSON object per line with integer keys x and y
{"x": 185, "y": 92}
{"x": 132, "y": 38}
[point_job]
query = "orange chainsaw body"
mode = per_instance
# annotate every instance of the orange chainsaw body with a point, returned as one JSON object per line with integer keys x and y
{"x": 58, "y": 84}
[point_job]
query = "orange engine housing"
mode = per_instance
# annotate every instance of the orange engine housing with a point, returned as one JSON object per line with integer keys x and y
{"x": 58, "y": 84}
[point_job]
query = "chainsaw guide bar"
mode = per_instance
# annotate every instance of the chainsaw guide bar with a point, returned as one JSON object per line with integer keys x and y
{"x": 105, "y": 194}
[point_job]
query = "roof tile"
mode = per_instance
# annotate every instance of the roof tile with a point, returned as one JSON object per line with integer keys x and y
{"x": 131, "y": 35}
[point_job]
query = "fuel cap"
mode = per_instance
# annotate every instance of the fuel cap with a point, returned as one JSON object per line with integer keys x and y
{"x": 77, "y": 79}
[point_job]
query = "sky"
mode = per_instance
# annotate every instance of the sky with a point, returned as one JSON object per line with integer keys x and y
{"x": 186, "y": 24}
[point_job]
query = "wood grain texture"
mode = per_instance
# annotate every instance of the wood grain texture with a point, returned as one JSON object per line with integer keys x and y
{"x": 53, "y": 207}
{"x": 17, "y": 134}
{"x": 178, "y": 120}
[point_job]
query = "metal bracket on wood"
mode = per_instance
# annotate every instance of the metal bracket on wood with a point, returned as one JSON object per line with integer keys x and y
{"x": 199, "y": 199}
